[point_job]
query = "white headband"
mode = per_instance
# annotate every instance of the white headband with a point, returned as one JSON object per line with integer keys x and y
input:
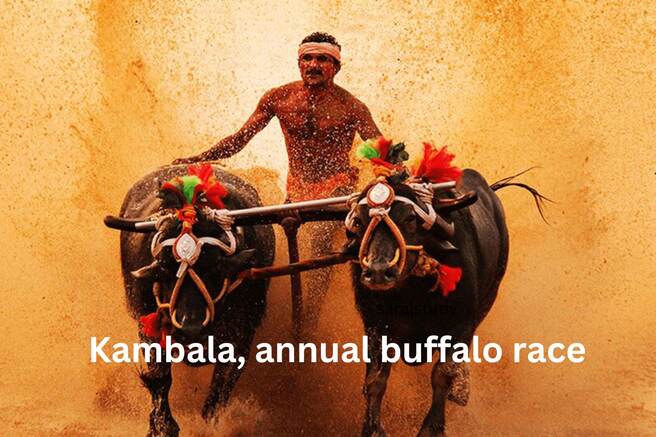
{"x": 324, "y": 48}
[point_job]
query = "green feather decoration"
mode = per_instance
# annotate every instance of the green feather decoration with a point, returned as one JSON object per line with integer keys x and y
{"x": 366, "y": 150}
{"x": 188, "y": 185}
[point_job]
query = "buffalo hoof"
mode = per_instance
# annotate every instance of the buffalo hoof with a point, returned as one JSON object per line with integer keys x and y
{"x": 431, "y": 430}
{"x": 168, "y": 429}
{"x": 378, "y": 431}
{"x": 459, "y": 389}
{"x": 162, "y": 424}
{"x": 210, "y": 412}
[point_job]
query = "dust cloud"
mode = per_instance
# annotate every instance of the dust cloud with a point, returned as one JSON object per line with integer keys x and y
{"x": 96, "y": 94}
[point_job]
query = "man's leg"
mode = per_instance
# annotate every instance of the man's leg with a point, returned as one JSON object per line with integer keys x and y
{"x": 322, "y": 236}
{"x": 318, "y": 281}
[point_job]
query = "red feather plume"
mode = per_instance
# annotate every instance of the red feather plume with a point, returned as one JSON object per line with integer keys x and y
{"x": 383, "y": 145}
{"x": 203, "y": 171}
{"x": 378, "y": 161}
{"x": 151, "y": 326}
{"x": 436, "y": 165}
{"x": 449, "y": 278}
{"x": 214, "y": 190}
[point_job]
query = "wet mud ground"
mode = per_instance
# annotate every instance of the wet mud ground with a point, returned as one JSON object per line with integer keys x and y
{"x": 311, "y": 399}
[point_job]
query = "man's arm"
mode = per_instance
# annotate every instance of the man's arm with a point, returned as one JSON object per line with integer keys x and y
{"x": 365, "y": 125}
{"x": 237, "y": 141}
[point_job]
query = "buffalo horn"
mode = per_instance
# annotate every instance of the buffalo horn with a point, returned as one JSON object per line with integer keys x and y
{"x": 144, "y": 271}
{"x": 131, "y": 225}
{"x": 448, "y": 205}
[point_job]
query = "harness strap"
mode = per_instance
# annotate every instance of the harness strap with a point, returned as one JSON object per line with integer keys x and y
{"x": 399, "y": 239}
{"x": 229, "y": 249}
{"x": 156, "y": 246}
{"x": 382, "y": 215}
{"x": 210, "y": 310}
{"x": 174, "y": 298}
{"x": 364, "y": 245}
{"x": 429, "y": 217}
{"x": 206, "y": 295}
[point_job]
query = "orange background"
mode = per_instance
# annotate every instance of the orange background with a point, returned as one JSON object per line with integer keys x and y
{"x": 96, "y": 94}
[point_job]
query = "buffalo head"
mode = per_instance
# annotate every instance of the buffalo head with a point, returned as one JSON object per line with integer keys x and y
{"x": 191, "y": 273}
{"x": 391, "y": 223}
{"x": 196, "y": 252}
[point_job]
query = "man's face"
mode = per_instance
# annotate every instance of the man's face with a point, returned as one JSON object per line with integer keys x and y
{"x": 317, "y": 69}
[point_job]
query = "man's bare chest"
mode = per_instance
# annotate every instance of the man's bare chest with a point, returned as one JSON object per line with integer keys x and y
{"x": 309, "y": 118}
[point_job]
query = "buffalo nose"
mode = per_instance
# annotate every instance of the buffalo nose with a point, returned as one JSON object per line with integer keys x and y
{"x": 380, "y": 276}
{"x": 189, "y": 332}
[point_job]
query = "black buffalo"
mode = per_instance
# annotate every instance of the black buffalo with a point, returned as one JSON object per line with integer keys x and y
{"x": 401, "y": 305}
{"x": 237, "y": 315}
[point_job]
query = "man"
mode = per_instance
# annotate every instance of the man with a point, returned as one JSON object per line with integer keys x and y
{"x": 319, "y": 121}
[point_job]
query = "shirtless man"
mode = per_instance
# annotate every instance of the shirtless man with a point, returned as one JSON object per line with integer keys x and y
{"x": 319, "y": 121}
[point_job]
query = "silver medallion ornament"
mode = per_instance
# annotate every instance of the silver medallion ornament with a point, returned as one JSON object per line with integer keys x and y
{"x": 186, "y": 248}
{"x": 380, "y": 194}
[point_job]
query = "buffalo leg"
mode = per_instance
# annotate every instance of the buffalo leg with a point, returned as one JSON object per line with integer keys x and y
{"x": 442, "y": 377}
{"x": 225, "y": 378}
{"x": 375, "y": 383}
{"x": 157, "y": 379}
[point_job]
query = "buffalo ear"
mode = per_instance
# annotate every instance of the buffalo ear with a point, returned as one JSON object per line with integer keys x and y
{"x": 245, "y": 257}
{"x": 169, "y": 199}
{"x": 240, "y": 260}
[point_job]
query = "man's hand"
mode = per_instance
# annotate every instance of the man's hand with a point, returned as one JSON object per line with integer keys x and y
{"x": 365, "y": 124}
{"x": 235, "y": 142}
{"x": 190, "y": 160}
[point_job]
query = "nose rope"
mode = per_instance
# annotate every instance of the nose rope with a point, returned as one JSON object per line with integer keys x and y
{"x": 364, "y": 245}
{"x": 210, "y": 309}
{"x": 379, "y": 215}
{"x": 174, "y": 299}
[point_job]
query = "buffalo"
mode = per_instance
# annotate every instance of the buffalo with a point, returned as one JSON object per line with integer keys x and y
{"x": 422, "y": 274}
{"x": 187, "y": 289}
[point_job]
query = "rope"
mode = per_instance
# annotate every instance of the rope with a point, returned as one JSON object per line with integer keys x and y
{"x": 382, "y": 171}
{"x": 424, "y": 192}
{"x": 187, "y": 215}
{"x": 219, "y": 216}
{"x": 206, "y": 294}
{"x": 427, "y": 266}
{"x": 227, "y": 288}
{"x": 379, "y": 215}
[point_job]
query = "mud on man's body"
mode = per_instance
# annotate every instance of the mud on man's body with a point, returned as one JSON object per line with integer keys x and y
{"x": 319, "y": 121}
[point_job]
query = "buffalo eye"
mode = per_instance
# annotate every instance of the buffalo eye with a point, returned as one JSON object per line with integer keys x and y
{"x": 165, "y": 272}
{"x": 357, "y": 224}
{"x": 410, "y": 221}
{"x": 169, "y": 199}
